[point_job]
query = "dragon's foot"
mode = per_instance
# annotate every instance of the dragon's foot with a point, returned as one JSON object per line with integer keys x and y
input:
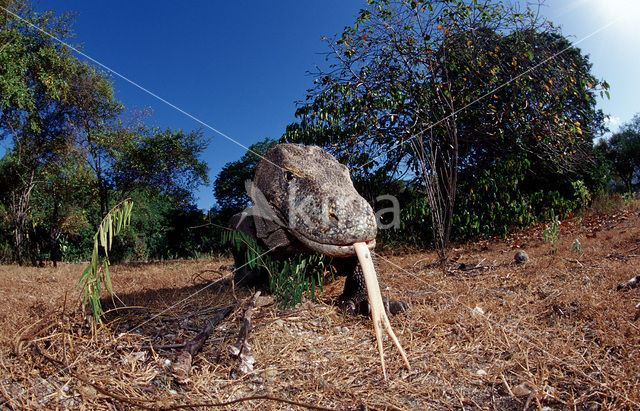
{"x": 360, "y": 306}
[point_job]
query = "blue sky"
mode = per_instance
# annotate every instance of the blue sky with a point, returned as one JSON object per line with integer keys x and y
{"x": 240, "y": 66}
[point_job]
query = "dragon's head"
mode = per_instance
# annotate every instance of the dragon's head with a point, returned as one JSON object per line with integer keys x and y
{"x": 312, "y": 193}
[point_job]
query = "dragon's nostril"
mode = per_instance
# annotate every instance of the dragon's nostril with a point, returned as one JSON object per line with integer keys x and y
{"x": 333, "y": 217}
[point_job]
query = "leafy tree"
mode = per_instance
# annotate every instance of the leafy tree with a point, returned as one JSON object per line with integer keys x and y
{"x": 69, "y": 144}
{"x": 60, "y": 204}
{"x": 166, "y": 161}
{"x": 164, "y": 227}
{"x": 623, "y": 151}
{"x": 125, "y": 158}
{"x": 440, "y": 87}
{"x": 37, "y": 102}
{"x": 34, "y": 70}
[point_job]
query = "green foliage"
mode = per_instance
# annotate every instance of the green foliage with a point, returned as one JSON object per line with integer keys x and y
{"x": 582, "y": 194}
{"x": 97, "y": 272}
{"x": 576, "y": 247}
{"x": 491, "y": 201}
{"x": 495, "y": 200}
{"x": 298, "y": 275}
{"x": 415, "y": 222}
{"x": 622, "y": 150}
{"x": 552, "y": 232}
{"x": 47, "y": 97}
{"x": 165, "y": 227}
{"x": 290, "y": 278}
{"x": 163, "y": 160}
{"x": 72, "y": 157}
{"x": 35, "y": 70}
{"x": 480, "y": 86}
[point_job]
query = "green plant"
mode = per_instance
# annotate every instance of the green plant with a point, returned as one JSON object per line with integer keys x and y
{"x": 582, "y": 193}
{"x": 491, "y": 201}
{"x": 297, "y": 275}
{"x": 628, "y": 198}
{"x": 93, "y": 277}
{"x": 253, "y": 254}
{"x": 289, "y": 278}
{"x": 576, "y": 247}
{"x": 552, "y": 233}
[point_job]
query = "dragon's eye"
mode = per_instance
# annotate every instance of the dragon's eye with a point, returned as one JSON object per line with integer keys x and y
{"x": 288, "y": 175}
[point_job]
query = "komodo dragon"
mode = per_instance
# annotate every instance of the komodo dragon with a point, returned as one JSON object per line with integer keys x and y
{"x": 304, "y": 201}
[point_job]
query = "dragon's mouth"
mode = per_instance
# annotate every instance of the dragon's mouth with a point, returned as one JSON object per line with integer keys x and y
{"x": 332, "y": 249}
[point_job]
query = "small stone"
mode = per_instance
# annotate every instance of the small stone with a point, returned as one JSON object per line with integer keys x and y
{"x": 521, "y": 257}
{"x": 167, "y": 363}
{"x": 269, "y": 374}
{"x": 137, "y": 356}
{"x": 89, "y": 391}
{"x": 264, "y": 300}
{"x": 481, "y": 372}
{"x": 477, "y": 311}
{"x": 521, "y": 390}
{"x": 173, "y": 392}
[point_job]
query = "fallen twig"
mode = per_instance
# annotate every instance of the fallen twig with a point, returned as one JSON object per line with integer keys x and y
{"x": 157, "y": 405}
{"x": 137, "y": 402}
{"x": 575, "y": 261}
{"x": 633, "y": 282}
{"x": 252, "y": 398}
{"x": 31, "y": 331}
{"x": 241, "y": 348}
{"x": 182, "y": 366}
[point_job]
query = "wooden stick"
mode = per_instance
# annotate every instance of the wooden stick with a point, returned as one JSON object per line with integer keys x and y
{"x": 194, "y": 345}
{"x": 378, "y": 313}
{"x": 182, "y": 366}
{"x": 241, "y": 348}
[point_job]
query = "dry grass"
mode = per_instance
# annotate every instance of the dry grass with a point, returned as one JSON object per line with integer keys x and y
{"x": 553, "y": 332}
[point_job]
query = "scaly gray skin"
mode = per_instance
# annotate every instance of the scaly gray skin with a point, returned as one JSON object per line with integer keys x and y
{"x": 304, "y": 202}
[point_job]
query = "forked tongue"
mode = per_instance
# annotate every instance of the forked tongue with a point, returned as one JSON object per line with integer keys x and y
{"x": 378, "y": 313}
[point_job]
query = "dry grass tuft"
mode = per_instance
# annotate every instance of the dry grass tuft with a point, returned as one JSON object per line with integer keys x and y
{"x": 552, "y": 332}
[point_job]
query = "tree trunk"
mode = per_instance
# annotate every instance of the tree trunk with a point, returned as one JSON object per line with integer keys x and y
{"x": 54, "y": 234}
{"x": 20, "y": 210}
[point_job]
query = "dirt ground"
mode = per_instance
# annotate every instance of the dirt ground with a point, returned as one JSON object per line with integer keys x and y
{"x": 552, "y": 333}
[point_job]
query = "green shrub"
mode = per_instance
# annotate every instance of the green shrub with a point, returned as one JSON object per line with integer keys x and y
{"x": 290, "y": 278}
